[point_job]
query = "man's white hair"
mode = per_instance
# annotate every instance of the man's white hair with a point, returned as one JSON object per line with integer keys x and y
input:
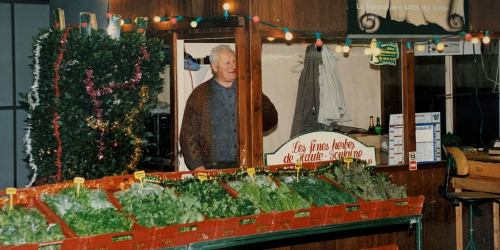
{"x": 215, "y": 50}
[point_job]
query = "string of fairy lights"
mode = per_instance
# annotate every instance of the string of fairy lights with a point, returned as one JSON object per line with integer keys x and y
{"x": 339, "y": 49}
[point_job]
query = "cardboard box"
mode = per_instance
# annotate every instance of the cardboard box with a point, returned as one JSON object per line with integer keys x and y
{"x": 370, "y": 140}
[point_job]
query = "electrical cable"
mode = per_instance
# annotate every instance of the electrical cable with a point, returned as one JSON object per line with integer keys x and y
{"x": 477, "y": 98}
{"x": 486, "y": 74}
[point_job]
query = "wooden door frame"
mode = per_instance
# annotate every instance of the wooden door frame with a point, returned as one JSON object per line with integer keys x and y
{"x": 248, "y": 48}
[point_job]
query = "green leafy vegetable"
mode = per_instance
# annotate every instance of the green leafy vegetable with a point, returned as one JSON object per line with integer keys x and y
{"x": 158, "y": 206}
{"x": 215, "y": 201}
{"x": 365, "y": 183}
{"x": 90, "y": 213}
{"x": 320, "y": 191}
{"x": 265, "y": 194}
{"x": 19, "y": 226}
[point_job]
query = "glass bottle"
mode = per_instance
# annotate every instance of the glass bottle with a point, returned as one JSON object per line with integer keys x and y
{"x": 378, "y": 128}
{"x": 371, "y": 128}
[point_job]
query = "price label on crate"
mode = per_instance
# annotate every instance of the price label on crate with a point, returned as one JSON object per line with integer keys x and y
{"x": 251, "y": 172}
{"x": 78, "y": 181}
{"x": 348, "y": 160}
{"x": 298, "y": 167}
{"x": 11, "y": 192}
{"x": 202, "y": 177}
{"x": 140, "y": 175}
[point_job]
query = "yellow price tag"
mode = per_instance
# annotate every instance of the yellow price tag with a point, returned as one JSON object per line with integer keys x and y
{"x": 348, "y": 160}
{"x": 78, "y": 181}
{"x": 202, "y": 177}
{"x": 251, "y": 172}
{"x": 298, "y": 167}
{"x": 11, "y": 192}
{"x": 140, "y": 175}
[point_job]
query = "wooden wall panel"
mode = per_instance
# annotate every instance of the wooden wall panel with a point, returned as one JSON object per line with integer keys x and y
{"x": 484, "y": 15}
{"x": 328, "y": 17}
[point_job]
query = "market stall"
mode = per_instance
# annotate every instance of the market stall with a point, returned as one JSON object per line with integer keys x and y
{"x": 313, "y": 181}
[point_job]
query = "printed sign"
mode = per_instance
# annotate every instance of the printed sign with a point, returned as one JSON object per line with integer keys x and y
{"x": 320, "y": 146}
{"x": 407, "y": 17}
{"x": 388, "y": 55}
{"x": 413, "y": 160}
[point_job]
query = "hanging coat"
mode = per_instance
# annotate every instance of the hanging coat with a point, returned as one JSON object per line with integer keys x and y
{"x": 306, "y": 107}
{"x": 332, "y": 107}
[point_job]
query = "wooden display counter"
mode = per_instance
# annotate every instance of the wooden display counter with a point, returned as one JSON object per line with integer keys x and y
{"x": 438, "y": 221}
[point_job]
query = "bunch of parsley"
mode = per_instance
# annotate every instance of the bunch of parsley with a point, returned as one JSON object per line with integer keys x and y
{"x": 19, "y": 226}
{"x": 89, "y": 213}
{"x": 265, "y": 194}
{"x": 215, "y": 201}
{"x": 320, "y": 191}
{"x": 154, "y": 205}
{"x": 363, "y": 182}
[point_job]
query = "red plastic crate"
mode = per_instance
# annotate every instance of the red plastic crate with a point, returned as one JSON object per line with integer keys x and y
{"x": 401, "y": 207}
{"x": 167, "y": 236}
{"x": 141, "y": 237}
{"x": 231, "y": 227}
{"x": 284, "y": 220}
{"x": 340, "y": 214}
{"x": 72, "y": 242}
{"x": 171, "y": 236}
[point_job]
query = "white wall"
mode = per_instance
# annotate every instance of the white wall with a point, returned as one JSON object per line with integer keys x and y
{"x": 360, "y": 80}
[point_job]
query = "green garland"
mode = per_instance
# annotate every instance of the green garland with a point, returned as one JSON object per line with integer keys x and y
{"x": 82, "y": 138}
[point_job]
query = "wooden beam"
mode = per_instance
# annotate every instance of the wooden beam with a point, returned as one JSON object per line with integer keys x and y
{"x": 213, "y": 23}
{"x": 408, "y": 66}
{"x": 255, "y": 42}
{"x": 174, "y": 130}
{"x": 481, "y": 184}
{"x": 243, "y": 107}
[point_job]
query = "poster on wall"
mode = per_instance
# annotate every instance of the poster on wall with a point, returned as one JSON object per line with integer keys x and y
{"x": 416, "y": 17}
{"x": 320, "y": 146}
{"x": 388, "y": 55}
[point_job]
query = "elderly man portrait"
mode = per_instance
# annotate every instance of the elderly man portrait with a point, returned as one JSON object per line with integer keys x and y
{"x": 208, "y": 135}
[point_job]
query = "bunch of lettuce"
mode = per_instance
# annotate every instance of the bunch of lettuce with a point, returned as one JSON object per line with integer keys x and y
{"x": 215, "y": 201}
{"x": 363, "y": 182}
{"x": 154, "y": 205}
{"x": 320, "y": 191}
{"x": 89, "y": 213}
{"x": 265, "y": 194}
{"x": 19, "y": 226}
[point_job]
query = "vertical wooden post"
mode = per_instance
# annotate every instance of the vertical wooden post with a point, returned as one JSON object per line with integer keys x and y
{"x": 458, "y": 224}
{"x": 174, "y": 130}
{"x": 248, "y": 52}
{"x": 496, "y": 226}
{"x": 243, "y": 106}
{"x": 255, "y": 43}
{"x": 408, "y": 65}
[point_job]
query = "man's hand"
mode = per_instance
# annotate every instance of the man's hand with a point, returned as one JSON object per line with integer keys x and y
{"x": 200, "y": 168}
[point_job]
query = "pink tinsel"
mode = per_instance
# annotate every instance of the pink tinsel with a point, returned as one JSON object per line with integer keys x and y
{"x": 93, "y": 92}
